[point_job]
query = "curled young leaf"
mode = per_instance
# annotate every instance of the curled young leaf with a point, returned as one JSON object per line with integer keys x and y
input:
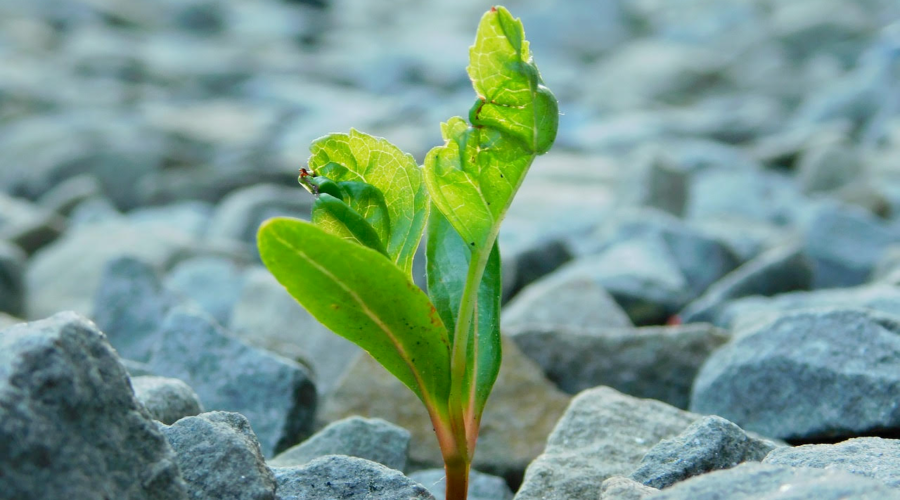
{"x": 360, "y": 157}
{"x": 474, "y": 176}
{"x": 339, "y": 219}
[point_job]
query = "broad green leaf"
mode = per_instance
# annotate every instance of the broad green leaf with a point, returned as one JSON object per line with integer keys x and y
{"x": 360, "y": 157}
{"x": 448, "y": 260}
{"x": 339, "y": 219}
{"x": 362, "y": 296}
{"x": 474, "y": 176}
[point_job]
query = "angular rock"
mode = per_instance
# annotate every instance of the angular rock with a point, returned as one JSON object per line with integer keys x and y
{"x": 564, "y": 300}
{"x": 214, "y": 283}
{"x": 602, "y": 434}
{"x": 651, "y": 362}
{"x": 12, "y": 270}
{"x": 752, "y": 481}
{"x": 519, "y": 415}
{"x": 275, "y": 394}
{"x": 93, "y": 211}
{"x": 779, "y": 270}
{"x": 53, "y": 282}
{"x": 167, "y": 399}
{"x": 369, "y": 438}
{"x": 338, "y": 476}
{"x": 813, "y": 374}
{"x": 872, "y": 457}
{"x": 758, "y": 195}
{"x": 481, "y": 486}
{"x": 130, "y": 306}
{"x": 66, "y": 195}
{"x": 701, "y": 259}
{"x": 220, "y": 457}
{"x": 70, "y": 426}
{"x": 28, "y": 225}
{"x": 189, "y": 217}
{"x": 746, "y": 238}
{"x": 656, "y": 182}
{"x": 828, "y": 167}
{"x": 239, "y": 215}
{"x": 525, "y": 263}
{"x": 622, "y": 488}
{"x": 743, "y": 313}
{"x": 845, "y": 243}
{"x": 709, "y": 444}
{"x": 640, "y": 274}
{"x": 7, "y": 321}
{"x": 267, "y": 316}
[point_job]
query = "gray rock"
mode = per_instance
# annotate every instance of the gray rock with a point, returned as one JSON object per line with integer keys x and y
{"x": 652, "y": 362}
{"x": 640, "y": 274}
{"x": 220, "y": 457}
{"x": 751, "y": 194}
{"x": 709, "y": 444}
{"x": 12, "y": 270}
{"x": 267, "y": 316}
{"x": 811, "y": 374}
{"x": 130, "y": 306}
{"x": 602, "y": 434}
{"x": 214, "y": 283}
{"x": 481, "y": 486}
{"x": 743, "y": 313}
{"x": 93, "y": 211}
{"x": 526, "y": 262}
{"x": 7, "y": 321}
{"x": 46, "y": 148}
{"x": 70, "y": 427}
{"x": 845, "y": 243}
{"x": 564, "y": 300}
{"x": 167, "y": 399}
{"x": 622, "y": 488}
{"x": 872, "y": 457}
{"x": 828, "y": 167}
{"x": 274, "y": 393}
{"x": 745, "y": 237}
{"x": 337, "y": 476}
{"x": 656, "y": 182}
{"x": 519, "y": 415}
{"x": 701, "y": 259}
{"x": 752, "y": 481}
{"x": 189, "y": 217}
{"x": 28, "y": 225}
{"x": 53, "y": 283}
{"x": 68, "y": 194}
{"x": 137, "y": 368}
{"x": 369, "y": 438}
{"x": 779, "y": 270}
{"x": 239, "y": 215}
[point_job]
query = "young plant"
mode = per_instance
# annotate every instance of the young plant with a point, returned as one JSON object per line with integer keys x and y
{"x": 351, "y": 266}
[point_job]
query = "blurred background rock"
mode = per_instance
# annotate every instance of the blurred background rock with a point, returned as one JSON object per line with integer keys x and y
{"x": 193, "y": 116}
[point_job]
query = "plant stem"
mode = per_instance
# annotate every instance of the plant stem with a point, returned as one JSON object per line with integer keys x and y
{"x": 459, "y": 398}
{"x": 457, "y": 479}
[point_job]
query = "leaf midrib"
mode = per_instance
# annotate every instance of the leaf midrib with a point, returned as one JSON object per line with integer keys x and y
{"x": 368, "y": 312}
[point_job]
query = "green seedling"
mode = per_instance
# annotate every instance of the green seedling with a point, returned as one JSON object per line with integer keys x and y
{"x": 351, "y": 266}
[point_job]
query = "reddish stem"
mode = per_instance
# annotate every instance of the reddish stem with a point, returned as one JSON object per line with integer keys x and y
{"x": 457, "y": 479}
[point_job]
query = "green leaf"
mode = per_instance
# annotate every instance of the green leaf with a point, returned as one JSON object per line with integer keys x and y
{"x": 448, "y": 261}
{"x": 362, "y": 296}
{"x": 360, "y": 157}
{"x": 474, "y": 176}
{"x": 339, "y": 219}
{"x": 368, "y": 201}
